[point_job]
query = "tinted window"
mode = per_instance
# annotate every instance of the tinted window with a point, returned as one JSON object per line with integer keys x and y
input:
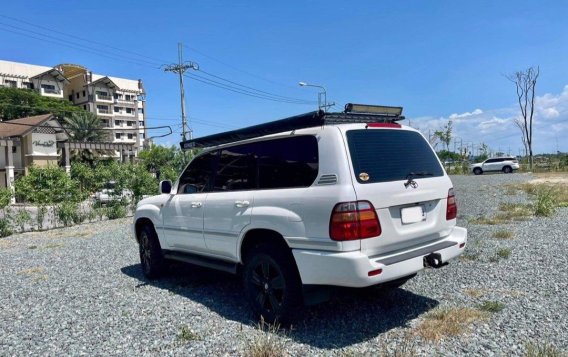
{"x": 390, "y": 155}
{"x": 489, "y": 161}
{"x": 197, "y": 176}
{"x": 236, "y": 169}
{"x": 288, "y": 162}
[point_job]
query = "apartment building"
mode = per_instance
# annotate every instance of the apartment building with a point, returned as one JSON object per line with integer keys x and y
{"x": 119, "y": 102}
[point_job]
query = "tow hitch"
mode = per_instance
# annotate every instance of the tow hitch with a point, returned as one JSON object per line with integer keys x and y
{"x": 434, "y": 260}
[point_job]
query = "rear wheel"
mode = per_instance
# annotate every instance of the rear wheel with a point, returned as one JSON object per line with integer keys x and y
{"x": 477, "y": 171}
{"x": 272, "y": 284}
{"x": 151, "y": 257}
{"x": 507, "y": 169}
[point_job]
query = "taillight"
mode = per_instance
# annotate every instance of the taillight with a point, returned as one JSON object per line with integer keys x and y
{"x": 452, "y": 208}
{"x": 354, "y": 220}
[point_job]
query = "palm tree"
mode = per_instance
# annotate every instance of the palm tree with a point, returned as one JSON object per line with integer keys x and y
{"x": 86, "y": 127}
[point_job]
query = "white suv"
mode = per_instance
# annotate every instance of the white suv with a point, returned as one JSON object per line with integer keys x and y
{"x": 505, "y": 164}
{"x": 346, "y": 199}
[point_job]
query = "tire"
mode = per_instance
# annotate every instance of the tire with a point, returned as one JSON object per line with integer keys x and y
{"x": 151, "y": 257}
{"x": 477, "y": 171}
{"x": 272, "y": 284}
{"x": 507, "y": 169}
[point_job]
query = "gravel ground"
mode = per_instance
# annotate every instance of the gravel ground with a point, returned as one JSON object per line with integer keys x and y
{"x": 80, "y": 291}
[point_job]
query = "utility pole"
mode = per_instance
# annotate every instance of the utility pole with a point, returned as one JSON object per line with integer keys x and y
{"x": 180, "y": 68}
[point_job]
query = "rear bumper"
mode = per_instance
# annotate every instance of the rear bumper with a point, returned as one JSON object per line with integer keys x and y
{"x": 352, "y": 269}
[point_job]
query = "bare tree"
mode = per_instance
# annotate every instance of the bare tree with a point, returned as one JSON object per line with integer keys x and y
{"x": 519, "y": 123}
{"x": 525, "y": 83}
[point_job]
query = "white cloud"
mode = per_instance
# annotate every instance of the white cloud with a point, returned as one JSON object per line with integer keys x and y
{"x": 495, "y": 127}
{"x": 466, "y": 114}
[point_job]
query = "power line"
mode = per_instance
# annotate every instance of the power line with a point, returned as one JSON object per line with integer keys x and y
{"x": 236, "y": 69}
{"x": 254, "y": 89}
{"x": 82, "y": 39}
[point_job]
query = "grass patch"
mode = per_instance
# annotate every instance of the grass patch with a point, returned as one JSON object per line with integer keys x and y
{"x": 448, "y": 322}
{"x": 31, "y": 271}
{"x": 269, "y": 343}
{"x": 470, "y": 256}
{"x": 186, "y": 334}
{"x": 486, "y": 220}
{"x": 504, "y": 253}
{"x": 503, "y": 234}
{"x": 53, "y": 245}
{"x": 491, "y": 306}
{"x": 475, "y": 293}
{"x": 543, "y": 349}
{"x": 547, "y": 196}
{"x": 545, "y": 202}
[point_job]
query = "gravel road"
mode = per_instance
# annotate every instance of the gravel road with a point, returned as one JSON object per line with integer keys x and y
{"x": 80, "y": 291}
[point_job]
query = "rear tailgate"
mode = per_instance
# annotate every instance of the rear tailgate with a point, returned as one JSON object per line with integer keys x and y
{"x": 399, "y": 173}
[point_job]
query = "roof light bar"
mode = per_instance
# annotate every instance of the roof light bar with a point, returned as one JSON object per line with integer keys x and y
{"x": 373, "y": 109}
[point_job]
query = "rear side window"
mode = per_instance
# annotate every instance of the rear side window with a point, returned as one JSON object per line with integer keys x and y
{"x": 286, "y": 163}
{"x": 390, "y": 155}
{"x": 236, "y": 169}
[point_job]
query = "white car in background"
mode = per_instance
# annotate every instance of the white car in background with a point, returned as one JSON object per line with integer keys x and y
{"x": 505, "y": 164}
{"x": 107, "y": 194}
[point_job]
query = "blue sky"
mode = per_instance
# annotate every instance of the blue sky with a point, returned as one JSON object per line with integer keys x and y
{"x": 437, "y": 59}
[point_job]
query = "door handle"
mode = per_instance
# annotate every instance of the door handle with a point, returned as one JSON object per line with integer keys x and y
{"x": 196, "y": 204}
{"x": 242, "y": 203}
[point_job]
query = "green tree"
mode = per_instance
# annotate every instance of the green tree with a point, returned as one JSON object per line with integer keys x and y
{"x": 445, "y": 134}
{"x": 19, "y": 103}
{"x": 86, "y": 127}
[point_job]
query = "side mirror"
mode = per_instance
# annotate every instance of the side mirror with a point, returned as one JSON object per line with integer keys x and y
{"x": 165, "y": 186}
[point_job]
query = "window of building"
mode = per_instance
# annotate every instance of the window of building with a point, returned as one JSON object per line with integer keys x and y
{"x": 101, "y": 93}
{"x": 85, "y": 107}
{"x": 117, "y": 109}
{"x": 141, "y": 123}
{"x": 143, "y": 136}
{"x": 10, "y": 83}
{"x": 28, "y": 85}
{"x": 140, "y": 110}
{"x": 117, "y": 135}
{"x": 70, "y": 97}
{"x": 77, "y": 95}
{"x": 129, "y": 136}
{"x": 130, "y": 123}
{"x": 84, "y": 94}
{"x": 49, "y": 88}
{"x": 128, "y": 97}
{"x": 129, "y": 110}
{"x": 118, "y": 122}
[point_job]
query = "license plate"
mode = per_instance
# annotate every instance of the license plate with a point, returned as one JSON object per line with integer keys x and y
{"x": 412, "y": 214}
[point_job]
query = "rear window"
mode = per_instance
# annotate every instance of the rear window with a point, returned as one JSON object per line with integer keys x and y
{"x": 390, "y": 155}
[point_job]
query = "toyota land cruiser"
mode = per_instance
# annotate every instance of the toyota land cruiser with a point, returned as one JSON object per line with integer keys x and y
{"x": 348, "y": 199}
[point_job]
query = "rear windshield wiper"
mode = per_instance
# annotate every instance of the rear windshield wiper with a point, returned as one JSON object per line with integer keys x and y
{"x": 412, "y": 175}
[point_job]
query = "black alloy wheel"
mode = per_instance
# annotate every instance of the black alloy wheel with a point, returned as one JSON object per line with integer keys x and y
{"x": 272, "y": 284}
{"x": 151, "y": 257}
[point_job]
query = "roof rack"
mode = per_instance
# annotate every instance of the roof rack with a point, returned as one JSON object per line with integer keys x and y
{"x": 354, "y": 113}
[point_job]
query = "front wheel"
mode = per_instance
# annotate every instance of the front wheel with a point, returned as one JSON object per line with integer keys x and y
{"x": 151, "y": 257}
{"x": 272, "y": 285}
{"x": 477, "y": 171}
{"x": 507, "y": 169}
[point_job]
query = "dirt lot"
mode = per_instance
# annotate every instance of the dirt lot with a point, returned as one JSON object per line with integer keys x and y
{"x": 80, "y": 291}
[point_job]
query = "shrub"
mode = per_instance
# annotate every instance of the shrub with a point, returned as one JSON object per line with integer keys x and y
{"x": 68, "y": 213}
{"x": 491, "y": 306}
{"x": 22, "y": 218}
{"x": 47, "y": 186}
{"x": 545, "y": 202}
{"x": 5, "y": 197}
{"x": 5, "y": 229}
{"x": 115, "y": 211}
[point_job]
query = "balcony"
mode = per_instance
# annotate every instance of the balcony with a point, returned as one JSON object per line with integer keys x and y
{"x": 50, "y": 91}
{"x": 125, "y": 102}
{"x": 103, "y": 98}
{"x": 105, "y": 112}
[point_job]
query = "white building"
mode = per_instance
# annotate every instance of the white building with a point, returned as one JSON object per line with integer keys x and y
{"x": 119, "y": 102}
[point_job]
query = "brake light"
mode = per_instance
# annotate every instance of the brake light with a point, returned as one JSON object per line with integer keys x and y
{"x": 354, "y": 220}
{"x": 383, "y": 125}
{"x": 452, "y": 208}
